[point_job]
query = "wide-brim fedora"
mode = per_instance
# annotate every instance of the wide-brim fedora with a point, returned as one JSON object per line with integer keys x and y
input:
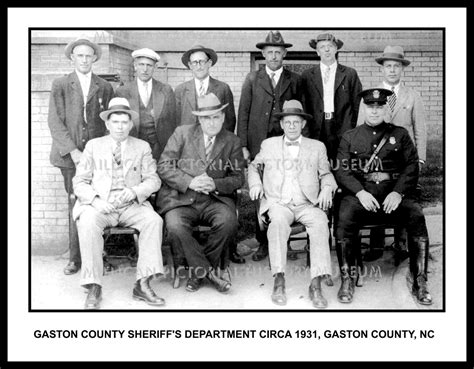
{"x": 83, "y": 40}
{"x": 274, "y": 38}
{"x": 118, "y": 105}
{"x": 208, "y": 104}
{"x": 209, "y": 52}
{"x": 293, "y": 107}
{"x": 393, "y": 53}
{"x": 326, "y": 37}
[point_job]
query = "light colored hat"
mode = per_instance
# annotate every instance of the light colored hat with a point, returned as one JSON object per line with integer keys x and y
{"x": 209, "y": 52}
{"x": 293, "y": 107}
{"x": 393, "y": 53}
{"x": 326, "y": 37}
{"x": 208, "y": 104}
{"x": 146, "y": 53}
{"x": 116, "y": 105}
{"x": 274, "y": 38}
{"x": 83, "y": 40}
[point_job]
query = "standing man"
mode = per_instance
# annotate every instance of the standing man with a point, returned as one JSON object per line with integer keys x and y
{"x": 378, "y": 173}
{"x": 330, "y": 95}
{"x": 201, "y": 168}
{"x": 297, "y": 186}
{"x": 262, "y": 97}
{"x": 199, "y": 60}
{"x": 75, "y": 103}
{"x": 114, "y": 179}
{"x": 153, "y": 100}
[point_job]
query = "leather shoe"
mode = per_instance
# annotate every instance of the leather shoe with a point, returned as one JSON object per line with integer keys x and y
{"x": 94, "y": 297}
{"x": 220, "y": 284}
{"x": 316, "y": 295}
{"x": 279, "y": 295}
{"x": 236, "y": 258}
{"x": 72, "y": 268}
{"x": 420, "y": 290}
{"x": 346, "y": 292}
{"x": 142, "y": 291}
{"x": 193, "y": 284}
{"x": 261, "y": 253}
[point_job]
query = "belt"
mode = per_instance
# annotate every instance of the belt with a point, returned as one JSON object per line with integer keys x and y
{"x": 328, "y": 116}
{"x": 380, "y": 176}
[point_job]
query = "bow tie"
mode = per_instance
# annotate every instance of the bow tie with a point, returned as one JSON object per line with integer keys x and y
{"x": 292, "y": 143}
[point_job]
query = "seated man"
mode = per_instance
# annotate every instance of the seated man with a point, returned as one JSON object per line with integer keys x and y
{"x": 113, "y": 180}
{"x": 297, "y": 186}
{"x": 378, "y": 172}
{"x": 201, "y": 167}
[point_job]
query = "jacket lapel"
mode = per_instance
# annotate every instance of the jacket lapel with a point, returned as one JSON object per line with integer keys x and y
{"x": 135, "y": 103}
{"x": 219, "y": 144}
{"x": 284, "y": 81}
{"x": 401, "y": 100}
{"x": 76, "y": 86}
{"x": 198, "y": 141}
{"x": 128, "y": 156}
{"x": 318, "y": 81}
{"x": 158, "y": 100}
{"x": 264, "y": 81}
{"x": 94, "y": 87}
{"x": 340, "y": 75}
{"x": 191, "y": 94}
{"x": 213, "y": 86}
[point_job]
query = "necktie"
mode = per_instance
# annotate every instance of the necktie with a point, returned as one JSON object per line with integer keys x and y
{"x": 146, "y": 98}
{"x": 292, "y": 143}
{"x": 202, "y": 90}
{"x": 210, "y": 141}
{"x": 392, "y": 99}
{"x": 118, "y": 153}
{"x": 272, "y": 77}
{"x": 326, "y": 75}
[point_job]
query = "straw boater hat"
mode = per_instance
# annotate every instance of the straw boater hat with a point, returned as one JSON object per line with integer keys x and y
{"x": 146, "y": 53}
{"x": 326, "y": 37}
{"x": 274, "y": 38}
{"x": 377, "y": 96}
{"x": 83, "y": 40}
{"x": 117, "y": 105}
{"x": 208, "y": 104}
{"x": 393, "y": 53}
{"x": 209, "y": 52}
{"x": 293, "y": 107}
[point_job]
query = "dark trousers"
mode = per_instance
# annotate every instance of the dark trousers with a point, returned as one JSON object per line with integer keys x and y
{"x": 74, "y": 251}
{"x": 205, "y": 210}
{"x": 329, "y": 137}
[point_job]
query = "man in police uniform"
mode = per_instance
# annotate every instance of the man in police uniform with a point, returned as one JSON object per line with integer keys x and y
{"x": 378, "y": 172}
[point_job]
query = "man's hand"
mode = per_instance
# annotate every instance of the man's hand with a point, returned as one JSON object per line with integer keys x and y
{"x": 391, "y": 202}
{"x": 127, "y": 195}
{"x": 256, "y": 192}
{"x": 202, "y": 183}
{"x": 367, "y": 200}
{"x": 325, "y": 198}
{"x": 102, "y": 206}
{"x": 246, "y": 154}
{"x": 76, "y": 156}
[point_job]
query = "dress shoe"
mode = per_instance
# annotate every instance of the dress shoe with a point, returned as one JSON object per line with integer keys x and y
{"x": 94, "y": 297}
{"x": 72, "y": 268}
{"x": 193, "y": 284}
{"x": 236, "y": 258}
{"x": 220, "y": 284}
{"x": 420, "y": 290}
{"x": 279, "y": 295}
{"x": 261, "y": 253}
{"x": 142, "y": 291}
{"x": 346, "y": 292}
{"x": 316, "y": 295}
{"x": 329, "y": 281}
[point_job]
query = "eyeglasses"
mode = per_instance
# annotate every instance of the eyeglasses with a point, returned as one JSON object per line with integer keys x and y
{"x": 201, "y": 62}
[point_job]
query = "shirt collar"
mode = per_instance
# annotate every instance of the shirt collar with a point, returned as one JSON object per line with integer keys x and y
{"x": 114, "y": 143}
{"x": 277, "y": 72}
{"x": 331, "y": 67}
{"x": 84, "y": 76}
{"x": 206, "y": 138}
{"x": 141, "y": 83}
{"x": 389, "y": 87}
{"x": 197, "y": 82}
{"x": 285, "y": 139}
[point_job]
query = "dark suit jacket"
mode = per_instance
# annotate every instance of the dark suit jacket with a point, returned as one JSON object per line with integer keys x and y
{"x": 346, "y": 102}
{"x": 66, "y": 115}
{"x": 163, "y": 106}
{"x": 184, "y": 158}
{"x": 186, "y": 102}
{"x": 256, "y": 104}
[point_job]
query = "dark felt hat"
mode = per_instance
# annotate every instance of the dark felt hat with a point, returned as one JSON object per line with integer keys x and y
{"x": 326, "y": 37}
{"x": 209, "y": 52}
{"x": 274, "y": 38}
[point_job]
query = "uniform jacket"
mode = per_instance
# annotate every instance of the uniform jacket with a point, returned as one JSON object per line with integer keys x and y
{"x": 94, "y": 172}
{"x": 398, "y": 155}
{"x": 66, "y": 115}
{"x": 346, "y": 102}
{"x": 186, "y": 102}
{"x": 255, "y": 108}
{"x": 409, "y": 113}
{"x": 164, "y": 109}
{"x": 184, "y": 158}
{"x": 313, "y": 170}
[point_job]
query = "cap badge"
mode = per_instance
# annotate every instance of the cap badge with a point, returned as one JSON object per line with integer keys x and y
{"x": 376, "y": 94}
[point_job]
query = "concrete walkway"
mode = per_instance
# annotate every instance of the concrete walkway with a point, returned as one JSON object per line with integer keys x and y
{"x": 385, "y": 286}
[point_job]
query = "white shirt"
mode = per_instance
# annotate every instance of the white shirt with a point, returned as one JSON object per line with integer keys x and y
{"x": 197, "y": 83}
{"x": 85, "y": 80}
{"x": 142, "y": 91}
{"x": 329, "y": 86}
{"x": 389, "y": 87}
{"x": 294, "y": 150}
{"x": 276, "y": 72}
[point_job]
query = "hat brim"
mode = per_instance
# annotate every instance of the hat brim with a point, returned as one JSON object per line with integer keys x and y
{"x": 314, "y": 43}
{"x": 284, "y": 114}
{"x": 209, "y": 52}
{"x": 70, "y": 47}
{"x": 205, "y": 113}
{"x": 104, "y": 115}
{"x": 261, "y": 45}
{"x": 381, "y": 59}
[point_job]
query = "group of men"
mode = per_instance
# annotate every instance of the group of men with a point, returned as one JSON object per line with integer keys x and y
{"x": 181, "y": 144}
